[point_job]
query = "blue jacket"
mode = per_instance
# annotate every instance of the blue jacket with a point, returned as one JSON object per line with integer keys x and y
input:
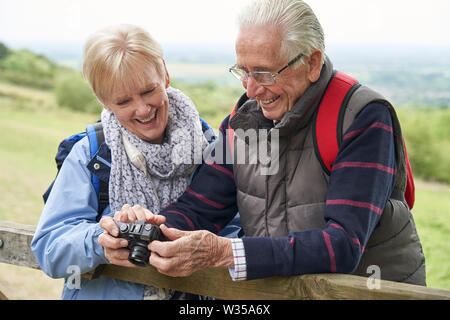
{"x": 67, "y": 233}
{"x": 66, "y": 238}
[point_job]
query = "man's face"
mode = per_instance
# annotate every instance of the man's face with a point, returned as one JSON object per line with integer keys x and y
{"x": 258, "y": 49}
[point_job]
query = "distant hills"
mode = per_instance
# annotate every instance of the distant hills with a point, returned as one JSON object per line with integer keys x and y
{"x": 408, "y": 75}
{"x": 25, "y": 68}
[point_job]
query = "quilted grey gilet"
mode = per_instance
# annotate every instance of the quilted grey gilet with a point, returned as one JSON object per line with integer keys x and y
{"x": 293, "y": 199}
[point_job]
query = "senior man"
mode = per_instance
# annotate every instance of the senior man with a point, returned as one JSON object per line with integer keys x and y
{"x": 299, "y": 218}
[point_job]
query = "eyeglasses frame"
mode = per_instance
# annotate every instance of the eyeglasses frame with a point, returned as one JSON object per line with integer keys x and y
{"x": 274, "y": 75}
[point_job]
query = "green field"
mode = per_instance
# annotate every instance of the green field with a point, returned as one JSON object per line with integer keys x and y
{"x": 32, "y": 126}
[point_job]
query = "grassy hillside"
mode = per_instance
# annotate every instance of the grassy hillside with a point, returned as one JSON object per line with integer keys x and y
{"x": 427, "y": 135}
{"x": 432, "y": 216}
{"x": 32, "y": 127}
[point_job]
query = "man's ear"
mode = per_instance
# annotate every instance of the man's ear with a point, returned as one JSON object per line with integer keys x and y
{"x": 315, "y": 65}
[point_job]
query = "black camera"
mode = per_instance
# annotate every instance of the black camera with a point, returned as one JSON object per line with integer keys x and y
{"x": 139, "y": 235}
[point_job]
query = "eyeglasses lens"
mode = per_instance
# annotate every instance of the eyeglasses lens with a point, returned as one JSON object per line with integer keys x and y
{"x": 262, "y": 78}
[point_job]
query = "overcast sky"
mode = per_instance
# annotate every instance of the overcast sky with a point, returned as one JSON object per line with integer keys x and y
{"x": 213, "y": 21}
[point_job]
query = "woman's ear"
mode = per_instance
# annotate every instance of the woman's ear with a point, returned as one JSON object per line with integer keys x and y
{"x": 167, "y": 75}
{"x": 315, "y": 65}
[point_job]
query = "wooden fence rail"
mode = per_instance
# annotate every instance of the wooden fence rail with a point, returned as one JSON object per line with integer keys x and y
{"x": 15, "y": 249}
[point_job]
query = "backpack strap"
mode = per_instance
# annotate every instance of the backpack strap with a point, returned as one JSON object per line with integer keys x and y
{"x": 208, "y": 132}
{"x": 410, "y": 186}
{"x": 93, "y": 136}
{"x": 328, "y": 120}
{"x": 96, "y": 139}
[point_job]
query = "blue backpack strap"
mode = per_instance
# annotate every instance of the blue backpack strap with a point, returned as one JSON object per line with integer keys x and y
{"x": 94, "y": 144}
{"x": 96, "y": 138}
{"x": 208, "y": 132}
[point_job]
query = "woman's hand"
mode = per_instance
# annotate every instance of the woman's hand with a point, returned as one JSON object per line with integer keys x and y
{"x": 131, "y": 214}
{"x": 116, "y": 248}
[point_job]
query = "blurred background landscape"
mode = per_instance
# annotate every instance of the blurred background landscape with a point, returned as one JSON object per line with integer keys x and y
{"x": 44, "y": 99}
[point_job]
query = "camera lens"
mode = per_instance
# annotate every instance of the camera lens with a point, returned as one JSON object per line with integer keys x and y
{"x": 139, "y": 254}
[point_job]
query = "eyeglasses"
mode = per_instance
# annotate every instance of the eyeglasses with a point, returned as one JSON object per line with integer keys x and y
{"x": 264, "y": 78}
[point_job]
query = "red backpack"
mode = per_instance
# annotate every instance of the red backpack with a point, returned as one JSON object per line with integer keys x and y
{"x": 328, "y": 126}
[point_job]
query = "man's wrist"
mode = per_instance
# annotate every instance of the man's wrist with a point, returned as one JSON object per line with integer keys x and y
{"x": 224, "y": 257}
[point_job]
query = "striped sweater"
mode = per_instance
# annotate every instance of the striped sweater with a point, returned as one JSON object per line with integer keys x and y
{"x": 361, "y": 183}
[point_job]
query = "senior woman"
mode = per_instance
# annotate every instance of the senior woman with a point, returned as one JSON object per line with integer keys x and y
{"x": 146, "y": 123}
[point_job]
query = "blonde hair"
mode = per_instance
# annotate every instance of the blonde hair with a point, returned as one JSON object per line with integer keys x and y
{"x": 301, "y": 30}
{"x": 120, "y": 55}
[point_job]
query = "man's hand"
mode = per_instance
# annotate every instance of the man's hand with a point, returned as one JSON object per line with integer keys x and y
{"x": 189, "y": 251}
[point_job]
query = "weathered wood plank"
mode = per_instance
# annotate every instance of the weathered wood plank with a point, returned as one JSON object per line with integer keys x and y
{"x": 216, "y": 282}
{"x": 2, "y": 296}
{"x": 212, "y": 282}
{"x": 345, "y": 286}
{"x": 15, "y": 242}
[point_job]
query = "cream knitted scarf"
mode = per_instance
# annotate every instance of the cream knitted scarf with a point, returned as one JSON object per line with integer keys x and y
{"x": 162, "y": 174}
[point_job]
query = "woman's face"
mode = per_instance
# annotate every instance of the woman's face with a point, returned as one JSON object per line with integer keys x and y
{"x": 142, "y": 109}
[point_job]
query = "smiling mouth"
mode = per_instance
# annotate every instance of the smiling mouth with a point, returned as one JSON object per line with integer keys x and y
{"x": 269, "y": 101}
{"x": 148, "y": 119}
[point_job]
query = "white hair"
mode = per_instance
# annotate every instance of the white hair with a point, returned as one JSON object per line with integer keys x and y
{"x": 301, "y": 30}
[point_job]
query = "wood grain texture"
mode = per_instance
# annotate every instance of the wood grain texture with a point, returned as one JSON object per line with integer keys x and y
{"x": 216, "y": 282}
{"x": 2, "y": 296}
{"x": 15, "y": 249}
